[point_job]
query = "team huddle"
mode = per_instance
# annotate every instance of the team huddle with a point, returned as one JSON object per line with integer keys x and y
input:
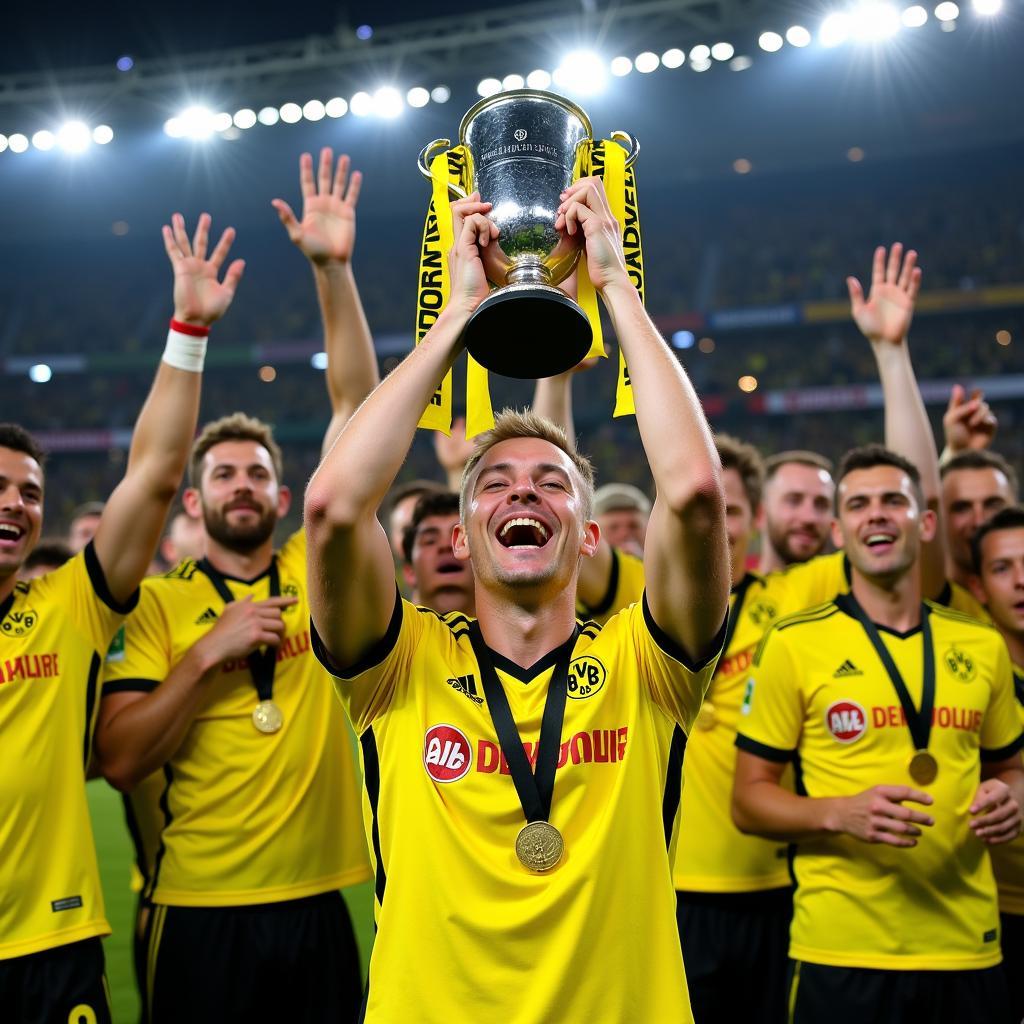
{"x": 597, "y": 765}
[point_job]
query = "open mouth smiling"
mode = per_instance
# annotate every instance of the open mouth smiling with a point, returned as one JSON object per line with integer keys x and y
{"x": 523, "y": 532}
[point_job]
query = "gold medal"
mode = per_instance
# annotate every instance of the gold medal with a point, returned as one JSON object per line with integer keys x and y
{"x": 923, "y": 767}
{"x": 267, "y": 717}
{"x": 706, "y": 717}
{"x": 539, "y": 846}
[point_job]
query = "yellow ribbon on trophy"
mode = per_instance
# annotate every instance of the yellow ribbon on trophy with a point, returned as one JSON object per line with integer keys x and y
{"x": 605, "y": 159}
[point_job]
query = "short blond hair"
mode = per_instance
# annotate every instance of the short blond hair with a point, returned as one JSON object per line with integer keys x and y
{"x": 236, "y": 427}
{"x": 510, "y": 424}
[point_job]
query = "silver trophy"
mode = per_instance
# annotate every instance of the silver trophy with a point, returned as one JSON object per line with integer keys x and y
{"x": 522, "y": 148}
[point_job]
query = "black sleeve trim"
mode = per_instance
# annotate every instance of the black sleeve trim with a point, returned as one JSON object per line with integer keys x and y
{"x": 373, "y": 657}
{"x": 99, "y": 584}
{"x": 674, "y": 650}
{"x": 130, "y": 686}
{"x": 606, "y": 602}
{"x": 1002, "y": 753}
{"x": 763, "y": 750}
{"x": 945, "y": 596}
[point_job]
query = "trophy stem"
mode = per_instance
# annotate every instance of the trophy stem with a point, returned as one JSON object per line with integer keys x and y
{"x": 529, "y": 269}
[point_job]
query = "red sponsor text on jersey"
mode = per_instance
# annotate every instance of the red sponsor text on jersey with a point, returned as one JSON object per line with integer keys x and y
{"x": 290, "y": 647}
{"x": 846, "y": 720}
{"x": 964, "y": 719}
{"x": 599, "y": 746}
{"x": 736, "y": 663}
{"x": 447, "y": 754}
{"x": 29, "y": 666}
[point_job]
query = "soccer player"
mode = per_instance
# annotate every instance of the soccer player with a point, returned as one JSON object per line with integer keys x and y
{"x": 999, "y": 584}
{"x": 892, "y": 709}
{"x": 54, "y": 632}
{"x": 798, "y": 493}
{"x": 437, "y": 578}
{"x": 504, "y": 892}
{"x": 217, "y": 686}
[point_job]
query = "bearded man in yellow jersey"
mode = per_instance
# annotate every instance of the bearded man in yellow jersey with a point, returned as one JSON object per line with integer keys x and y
{"x": 54, "y": 631}
{"x": 999, "y": 585}
{"x": 216, "y": 687}
{"x": 798, "y": 493}
{"x": 902, "y": 720}
{"x": 518, "y": 833}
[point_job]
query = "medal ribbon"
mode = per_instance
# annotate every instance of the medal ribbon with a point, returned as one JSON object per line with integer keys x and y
{"x": 261, "y": 663}
{"x": 919, "y": 720}
{"x": 740, "y": 590}
{"x": 535, "y": 788}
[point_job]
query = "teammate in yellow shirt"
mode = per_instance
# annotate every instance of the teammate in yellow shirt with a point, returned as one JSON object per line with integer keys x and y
{"x": 999, "y": 584}
{"x": 894, "y": 709}
{"x": 797, "y": 510}
{"x": 508, "y": 888}
{"x": 437, "y": 578}
{"x": 54, "y": 631}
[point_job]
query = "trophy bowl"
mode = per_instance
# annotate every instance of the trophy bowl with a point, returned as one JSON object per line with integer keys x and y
{"x": 521, "y": 150}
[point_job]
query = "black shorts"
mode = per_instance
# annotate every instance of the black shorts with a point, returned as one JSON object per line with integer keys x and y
{"x": 1012, "y": 934}
{"x": 735, "y": 952}
{"x": 63, "y": 985}
{"x": 855, "y": 995}
{"x": 294, "y": 962}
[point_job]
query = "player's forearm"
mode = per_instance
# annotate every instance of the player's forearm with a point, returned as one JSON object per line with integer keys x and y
{"x": 768, "y": 810}
{"x": 147, "y": 733}
{"x": 552, "y": 399}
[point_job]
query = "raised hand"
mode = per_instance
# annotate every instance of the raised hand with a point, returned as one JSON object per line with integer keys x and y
{"x": 327, "y": 231}
{"x": 585, "y": 210}
{"x": 199, "y": 298}
{"x": 884, "y": 317}
{"x": 473, "y": 233}
{"x": 968, "y": 423}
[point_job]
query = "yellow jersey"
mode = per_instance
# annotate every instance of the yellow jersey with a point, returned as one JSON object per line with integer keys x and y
{"x": 818, "y": 692}
{"x": 625, "y": 587}
{"x": 1008, "y": 858}
{"x": 249, "y": 817}
{"x": 54, "y": 631}
{"x": 462, "y": 926}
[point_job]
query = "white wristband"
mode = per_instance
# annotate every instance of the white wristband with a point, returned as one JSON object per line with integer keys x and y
{"x": 185, "y": 351}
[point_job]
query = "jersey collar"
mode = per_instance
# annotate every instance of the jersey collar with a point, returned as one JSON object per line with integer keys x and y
{"x": 527, "y": 675}
{"x": 842, "y": 602}
{"x": 7, "y": 603}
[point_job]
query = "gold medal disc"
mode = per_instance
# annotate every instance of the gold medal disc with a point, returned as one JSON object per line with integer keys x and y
{"x": 706, "y": 717}
{"x": 267, "y": 717}
{"x": 539, "y": 846}
{"x": 923, "y": 768}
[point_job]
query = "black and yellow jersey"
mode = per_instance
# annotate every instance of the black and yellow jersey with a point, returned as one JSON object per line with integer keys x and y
{"x": 248, "y": 817}
{"x": 54, "y": 631}
{"x": 818, "y": 692}
{"x": 625, "y": 587}
{"x": 463, "y": 926}
{"x": 1008, "y": 858}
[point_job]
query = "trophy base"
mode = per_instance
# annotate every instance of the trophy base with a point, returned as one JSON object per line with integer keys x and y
{"x": 528, "y": 331}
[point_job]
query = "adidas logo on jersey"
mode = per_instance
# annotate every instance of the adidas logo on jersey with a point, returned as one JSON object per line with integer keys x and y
{"x": 207, "y": 617}
{"x": 846, "y": 669}
{"x": 466, "y": 685}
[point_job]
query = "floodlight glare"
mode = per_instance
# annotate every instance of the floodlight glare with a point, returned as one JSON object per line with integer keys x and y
{"x": 318, "y": 360}
{"x": 513, "y": 82}
{"x": 770, "y": 41}
{"x": 539, "y": 79}
{"x": 74, "y": 137}
{"x": 741, "y": 63}
{"x": 987, "y": 7}
{"x": 673, "y": 58}
{"x": 488, "y": 87}
{"x": 947, "y": 11}
{"x": 388, "y": 102}
{"x": 193, "y": 123}
{"x": 835, "y": 29}
{"x": 268, "y": 116}
{"x": 442, "y": 94}
{"x": 700, "y": 53}
{"x": 18, "y": 143}
{"x": 221, "y": 121}
{"x": 700, "y": 65}
{"x": 915, "y": 17}
{"x": 621, "y": 66}
{"x": 291, "y": 113}
{"x": 582, "y": 71}
{"x": 723, "y": 51}
{"x": 336, "y": 107}
{"x": 798, "y": 36}
{"x": 40, "y": 373}
{"x": 244, "y": 118}
{"x": 43, "y": 140}
{"x": 361, "y": 104}
{"x": 3, "y": 143}
{"x": 871, "y": 22}
{"x": 646, "y": 62}
{"x": 417, "y": 97}
{"x": 125, "y": 63}
{"x": 102, "y": 134}
{"x": 313, "y": 110}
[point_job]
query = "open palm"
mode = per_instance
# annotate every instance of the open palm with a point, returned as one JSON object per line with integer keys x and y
{"x": 886, "y": 314}
{"x": 199, "y": 297}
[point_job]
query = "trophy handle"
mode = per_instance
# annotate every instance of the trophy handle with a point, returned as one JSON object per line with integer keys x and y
{"x": 632, "y": 145}
{"x": 427, "y": 154}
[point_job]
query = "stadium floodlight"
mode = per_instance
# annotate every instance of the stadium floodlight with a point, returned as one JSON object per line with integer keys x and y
{"x": 683, "y": 339}
{"x": 417, "y": 96}
{"x": 835, "y": 29}
{"x": 673, "y": 58}
{"x": 244, "y": 118}
{"x": 268, "y": 116}
{"x": 770, "y": 42}
{"x": 700, "y": 53}
{"x": 581, "y": 71}
{"x": 74, "y": 137}
{"x": 442, "y": 94}
{"x": 3, "y": 143}
{"x": 513, "y": 82}
{"x": 914, "y": 17}
{"x": 646, "y": 62}
{"x": 102, "y": 134}
{"x": 222, "y": 121}
{"x": 488, "y": 87}
{"x": 44, "y": 140}
{"x": 291, "y": 113}
{"x": 797, "y": 35}
{"x": 741, "y": 63}
{"x": 388, "y": 102}
{"x": 700, "y": 65}
{"x": 539, "y": 79}
{"x": 987, "y": 7}
{"x": 361, "y": 104}
{"x": 723, "y": 51}
{"x": 871, "y": 21}
{"x": 40, "y": 373}
{"x": 947, "y": 11}
{"x": 193, "y": 123}
{"x": 318, "y": 360}
{"x": 313, "y": 110}
{"x": 18, "y": 143}
{"x": 336, "y": 107}
{"x": 620, "y": 66}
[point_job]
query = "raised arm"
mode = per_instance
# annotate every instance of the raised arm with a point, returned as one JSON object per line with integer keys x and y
{"x": 134, "y": 516}
{"x": 352, "y": 608}
{"x": 968, "y": 423}
{"x": 686, "y": 554}
{"x": 884, "y": 318}
{"x": 326, "y": 236}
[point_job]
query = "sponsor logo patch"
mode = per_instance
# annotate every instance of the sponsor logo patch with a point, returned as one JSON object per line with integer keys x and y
{"x": 447, "y": 755}
{"x": 115, "y": 652}
{"x": 586, "y": 677}
{"x": 748, "y": 697}
{"x": 19, "y": 623}
{"x": 960, "y": 664}
{"x": 846, "y": 720}
{"x": 68, "y": 903}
